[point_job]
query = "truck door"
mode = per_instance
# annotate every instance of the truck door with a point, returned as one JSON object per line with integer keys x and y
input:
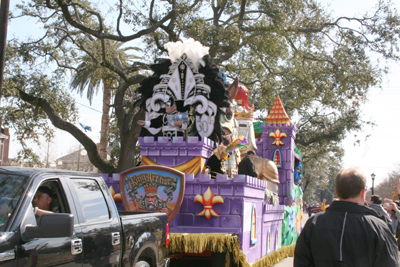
{"x": 63, "y": 251}
{"x": 100, "y": 224}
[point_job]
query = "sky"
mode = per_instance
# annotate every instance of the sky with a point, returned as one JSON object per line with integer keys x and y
{"x": 377, "y": 154}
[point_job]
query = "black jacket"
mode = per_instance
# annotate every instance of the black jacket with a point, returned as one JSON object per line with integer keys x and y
{"x": 346, "y": 234}
{"x": 246, "y": 166}
{"x": 216, "y": 166}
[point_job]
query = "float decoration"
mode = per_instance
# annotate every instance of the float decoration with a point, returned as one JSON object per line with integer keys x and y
{"x": 277, "y": 158}
{"x": 116, "y": 197}
{"x": 298, "y": 170}
{"x": 253, "y": 232}
{"x": 153, "y": 189}
{"x": 278, "y": 113}
{"x": 239, "y": 142}
{"x": 242, "y": 110}
{"x": 208, "y": 200}
{"x": 277, "y": 135}
{"x": 188, "y": 80}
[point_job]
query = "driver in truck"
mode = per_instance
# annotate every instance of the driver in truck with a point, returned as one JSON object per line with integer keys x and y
{"x": 42, "y": 200}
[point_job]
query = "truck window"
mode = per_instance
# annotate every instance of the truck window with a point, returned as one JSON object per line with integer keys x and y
{"x": 50, "y": 190}
{"x": 11, "y": 190}
{"x": 91, "y": 199}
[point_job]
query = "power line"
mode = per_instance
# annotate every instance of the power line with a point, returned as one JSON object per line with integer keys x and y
{"x": 89, "y": 107}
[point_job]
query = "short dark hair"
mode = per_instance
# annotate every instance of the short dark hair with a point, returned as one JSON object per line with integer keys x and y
{"x": 377, "y": 199}
{"x": 45, "y": 190}
{"x": 251, "y": 152}
{"x": 349, "y": 183}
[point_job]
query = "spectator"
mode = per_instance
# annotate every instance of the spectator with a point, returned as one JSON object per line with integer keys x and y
{"x": 324, "y": 206}
{"x": 309, "y": 206}
{"x": 348, "y": 233}
{"x": 395, "y": 221}
{"x": 376, "y": 204}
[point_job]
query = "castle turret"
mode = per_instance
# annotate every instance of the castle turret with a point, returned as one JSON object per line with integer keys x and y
{"x": 278, "y": 145}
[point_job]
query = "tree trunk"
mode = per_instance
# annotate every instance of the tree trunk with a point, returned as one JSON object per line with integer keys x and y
{"x": 129, "y": 137}
{"x": 105, "y": 120}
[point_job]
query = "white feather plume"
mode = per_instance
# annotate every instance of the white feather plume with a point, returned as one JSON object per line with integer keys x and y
{"x": 194, "y": 50}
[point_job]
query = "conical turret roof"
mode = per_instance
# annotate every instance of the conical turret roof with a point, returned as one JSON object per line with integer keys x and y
{"x": 278, "y": 113}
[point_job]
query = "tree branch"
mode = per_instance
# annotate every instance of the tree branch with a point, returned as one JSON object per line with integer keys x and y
{"x": 241, "y": 14}
{"x": 102, "y": 35}
{"x": 59, "y": 123}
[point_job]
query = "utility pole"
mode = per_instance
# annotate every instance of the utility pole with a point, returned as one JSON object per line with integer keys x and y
{"x": 5, "y": 6}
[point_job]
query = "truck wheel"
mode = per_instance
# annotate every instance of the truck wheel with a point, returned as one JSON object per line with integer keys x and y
{"x": 142, "y": 264}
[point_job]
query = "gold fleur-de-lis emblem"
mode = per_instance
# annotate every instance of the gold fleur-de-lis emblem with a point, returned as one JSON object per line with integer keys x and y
{"x": 208, "y": 200}
{"x": 277, "y": 135}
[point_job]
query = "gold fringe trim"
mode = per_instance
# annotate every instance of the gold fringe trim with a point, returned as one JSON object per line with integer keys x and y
{"x": 198, "y": 243}
{"x": 219, "y": 243}
{"x": 274, "y": 257}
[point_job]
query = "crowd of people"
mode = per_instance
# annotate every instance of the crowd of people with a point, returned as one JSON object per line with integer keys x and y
{"x": 351, "y": 232}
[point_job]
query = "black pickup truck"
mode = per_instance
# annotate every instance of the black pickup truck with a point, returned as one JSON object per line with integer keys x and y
{"x": 86, "y": 228}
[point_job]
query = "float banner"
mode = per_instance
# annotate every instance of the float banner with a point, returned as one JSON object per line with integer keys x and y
{"x": 153, "y": 189}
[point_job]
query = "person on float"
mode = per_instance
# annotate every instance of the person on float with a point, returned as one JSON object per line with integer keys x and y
{"x": 246, "y": 166}
{"x": 216, "y": 163}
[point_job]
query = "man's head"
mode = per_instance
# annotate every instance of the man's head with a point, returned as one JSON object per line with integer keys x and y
{"x": 152, "y": 202}
{"x": 43, "y": 198}
{"x": 350, "y": 185}
{"x": 251, "y": 154}
{"x": 377, "y": 199}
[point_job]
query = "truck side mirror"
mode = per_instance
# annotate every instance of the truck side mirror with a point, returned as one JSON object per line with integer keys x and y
{"x": 52, "y": 225}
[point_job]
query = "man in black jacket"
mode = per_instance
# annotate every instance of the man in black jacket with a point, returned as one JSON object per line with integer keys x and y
{"x": 246, "y": 166}
{"x": 348, "y": 233}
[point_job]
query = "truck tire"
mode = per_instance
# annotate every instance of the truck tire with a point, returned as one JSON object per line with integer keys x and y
{"x": 142, "y": 264}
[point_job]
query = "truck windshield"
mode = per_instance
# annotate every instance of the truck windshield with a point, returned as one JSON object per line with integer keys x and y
{"x": 11, "y": 190}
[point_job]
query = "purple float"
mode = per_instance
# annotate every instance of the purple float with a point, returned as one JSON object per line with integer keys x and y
{"x": 233, "y": 219}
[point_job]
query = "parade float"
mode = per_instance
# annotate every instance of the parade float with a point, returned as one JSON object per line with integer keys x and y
{"x": 232, "y": 220}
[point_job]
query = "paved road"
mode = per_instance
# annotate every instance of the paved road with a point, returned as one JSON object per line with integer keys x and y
{"x": 288, "y": 262}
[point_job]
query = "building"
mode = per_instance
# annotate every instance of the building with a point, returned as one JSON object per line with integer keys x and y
{"x": 76, "y": 161}
{"x": 4, "y": 147}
